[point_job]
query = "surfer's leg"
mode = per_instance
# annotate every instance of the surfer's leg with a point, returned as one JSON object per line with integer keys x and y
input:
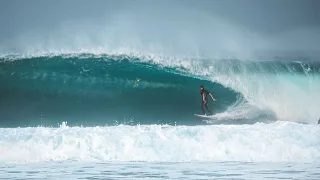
{"x": 202, "y": 107}
{"x": 207, "y": 107}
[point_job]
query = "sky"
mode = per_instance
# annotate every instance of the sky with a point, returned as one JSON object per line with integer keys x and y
{"x": 246, "y": 25}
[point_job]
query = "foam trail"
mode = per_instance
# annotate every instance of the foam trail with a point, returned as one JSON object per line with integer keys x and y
{"x": 276, "y": 142}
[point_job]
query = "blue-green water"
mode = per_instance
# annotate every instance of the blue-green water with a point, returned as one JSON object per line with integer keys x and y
{"x": 100, "y": 91}
{"x": 108, "y": 90}
{"x": 89, "y": 90}
{"x": 76, "y": 116}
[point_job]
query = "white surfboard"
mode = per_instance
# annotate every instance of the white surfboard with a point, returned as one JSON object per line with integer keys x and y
{"x": 201, "y": 115}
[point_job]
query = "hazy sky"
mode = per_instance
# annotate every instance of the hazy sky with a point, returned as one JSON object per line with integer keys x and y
{"x": 270, "y": 15}
{"x": 266, "y": 17}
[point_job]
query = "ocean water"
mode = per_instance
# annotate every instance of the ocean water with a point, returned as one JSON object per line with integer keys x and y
{"x": 103, "y": 116}
{"x": 102, "y": 89}
{"x": 108, "y": 90}
{"x": 169, "y": 170}
{"x": 280, "y": 150}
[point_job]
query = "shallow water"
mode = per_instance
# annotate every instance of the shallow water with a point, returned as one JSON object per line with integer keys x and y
{"x": 168, "y": 170}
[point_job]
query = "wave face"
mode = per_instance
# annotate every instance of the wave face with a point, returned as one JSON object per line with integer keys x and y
{"x": 274, "y": 142}
{"x": 91, "y": 90}
{"x": 102, "y": 89}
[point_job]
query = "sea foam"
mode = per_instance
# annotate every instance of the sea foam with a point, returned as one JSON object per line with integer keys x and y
{"x": 275, "y": 142}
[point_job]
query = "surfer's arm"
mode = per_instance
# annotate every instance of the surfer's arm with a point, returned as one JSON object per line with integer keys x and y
{"x": 213, "y": 99}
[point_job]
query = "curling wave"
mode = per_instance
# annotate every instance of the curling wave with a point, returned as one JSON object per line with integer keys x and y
{"x": 102, "y": 89}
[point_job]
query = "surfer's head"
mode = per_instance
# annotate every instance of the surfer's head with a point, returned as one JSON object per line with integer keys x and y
{"x": 201, "y": 88}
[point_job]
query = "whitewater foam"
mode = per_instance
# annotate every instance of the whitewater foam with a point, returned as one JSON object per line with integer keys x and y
{"x": 275, "y": 142}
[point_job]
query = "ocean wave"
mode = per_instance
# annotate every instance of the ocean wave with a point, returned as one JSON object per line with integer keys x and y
{"x": 97, "y": 83}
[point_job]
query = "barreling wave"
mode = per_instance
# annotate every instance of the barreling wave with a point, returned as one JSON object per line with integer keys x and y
{"x": 102, "y": 89}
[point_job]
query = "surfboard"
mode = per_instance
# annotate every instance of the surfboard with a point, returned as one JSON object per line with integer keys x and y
{"x": 201, "y": 115}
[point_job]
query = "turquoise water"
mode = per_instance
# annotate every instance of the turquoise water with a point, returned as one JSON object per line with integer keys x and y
{"x": 99, "y": 116}
{"x": 96, "y": 90}
{"x": 101, "y": 89}
{"x": 109, "y": 90}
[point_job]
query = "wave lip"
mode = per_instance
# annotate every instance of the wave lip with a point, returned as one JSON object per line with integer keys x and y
{"x": 275, "y": 142}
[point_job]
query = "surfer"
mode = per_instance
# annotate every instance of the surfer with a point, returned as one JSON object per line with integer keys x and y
{"x": 204, "y": 96}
